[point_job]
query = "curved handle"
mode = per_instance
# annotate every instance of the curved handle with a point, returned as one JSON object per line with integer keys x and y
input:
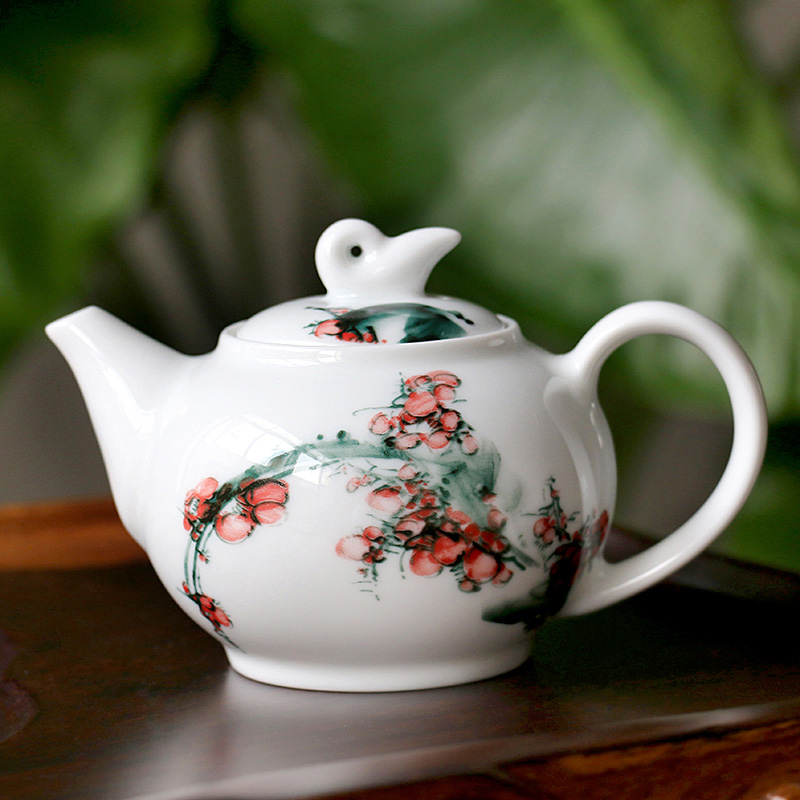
{"x": 603, "y": 583}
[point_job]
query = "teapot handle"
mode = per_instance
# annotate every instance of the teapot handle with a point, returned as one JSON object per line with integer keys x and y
{"x": 604, "y": 583}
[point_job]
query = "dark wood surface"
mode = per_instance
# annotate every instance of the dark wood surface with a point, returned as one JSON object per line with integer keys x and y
{"x": 110, "y": 692}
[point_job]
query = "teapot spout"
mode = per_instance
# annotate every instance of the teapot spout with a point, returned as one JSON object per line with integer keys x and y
{"x": 124, "y": 377}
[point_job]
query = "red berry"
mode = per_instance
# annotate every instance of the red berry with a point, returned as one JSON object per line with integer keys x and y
{"x": 269, "y": 513}
{"x": 330, "y": 327}
{"x": 233, "y": 528}
{"x": 479, "y": 566}
{"x": 423, "y": 563}
{"x": 438, "y": 440}
{"x": 406, "y": 441}
{"x": 502, "y": 577}
{"x": 447, "y": 551}
{"x": 450, "y": 420}
{"x": 420, "y": 404}
{"x": 353, "y": 547}
{"x": 444, "y": 394}
{"x": 443, "y": 377}
{"x": 406, "y": 472}
{"x": 387, "y": 499}
{"x": 270, "y": 491}
{"x": 495, "y": 519}
{"x": 469, "y": 444}
{"x": 380, "y": 424}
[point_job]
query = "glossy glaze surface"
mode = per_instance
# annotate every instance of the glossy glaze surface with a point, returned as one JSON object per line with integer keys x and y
{"x": 377, "y": 513}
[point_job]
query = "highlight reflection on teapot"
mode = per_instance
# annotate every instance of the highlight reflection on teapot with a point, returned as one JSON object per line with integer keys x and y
{"x": 379, "y": 489}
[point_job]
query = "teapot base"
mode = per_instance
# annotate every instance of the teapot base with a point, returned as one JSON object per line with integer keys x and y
{"x": 376, "y": 678}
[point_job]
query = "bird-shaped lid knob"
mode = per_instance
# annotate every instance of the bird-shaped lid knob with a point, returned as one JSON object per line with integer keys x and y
{"x": 355, "y": 260}
{"x": 375, "y": 293}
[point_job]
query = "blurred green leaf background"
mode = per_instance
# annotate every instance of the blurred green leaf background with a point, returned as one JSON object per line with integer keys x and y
{"x": 591, "y": 154}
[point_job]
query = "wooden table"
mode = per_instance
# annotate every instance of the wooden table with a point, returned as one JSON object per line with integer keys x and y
{"x": 110, "y": 692}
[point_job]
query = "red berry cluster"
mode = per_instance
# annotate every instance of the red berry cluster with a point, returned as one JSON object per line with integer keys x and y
{"x": 422, "y": 415}
{"x": 198, "y": 506}
{"x": 232, "y": 511}
{"x": 451, "y": 539}
{"x": 341, "y": 328}
{"x": 565, "y": 559}
{"x": 437, "y": 536}
{"x": 209, "y": 608}
{"x": 256, "y": 501}
{"x": 551, "y": 526}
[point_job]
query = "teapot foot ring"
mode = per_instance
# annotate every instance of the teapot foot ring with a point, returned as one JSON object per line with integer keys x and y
{"x": 376, "y": 678}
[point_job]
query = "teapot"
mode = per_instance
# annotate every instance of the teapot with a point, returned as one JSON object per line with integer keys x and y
{"x": 378, "y": 489}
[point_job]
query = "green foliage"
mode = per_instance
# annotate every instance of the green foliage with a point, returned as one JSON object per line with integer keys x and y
{"x": 591, "y": 153}
{"x": 87, "y": 93}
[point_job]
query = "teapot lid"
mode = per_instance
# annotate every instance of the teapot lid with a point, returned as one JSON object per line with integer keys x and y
{"x": 375, "y": 293}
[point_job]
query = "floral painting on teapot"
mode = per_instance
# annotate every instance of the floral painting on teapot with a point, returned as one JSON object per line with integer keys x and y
{"x": 420, "y": 323}
{"x": 428, "y": 487}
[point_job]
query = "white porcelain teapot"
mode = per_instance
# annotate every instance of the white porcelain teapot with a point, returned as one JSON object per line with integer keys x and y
{"x": 378, "y": 489}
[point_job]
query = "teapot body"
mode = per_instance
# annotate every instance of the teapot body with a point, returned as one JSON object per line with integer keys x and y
{"x": 375, "y": 518}
{"x": 381, "y": 489}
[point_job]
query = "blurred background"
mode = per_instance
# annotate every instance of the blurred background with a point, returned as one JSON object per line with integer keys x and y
{"x": 175, "y": 163}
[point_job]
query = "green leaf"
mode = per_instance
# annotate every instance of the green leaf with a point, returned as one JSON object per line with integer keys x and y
{"x": 767, "y": 529}
{"x": 591, "y": 153}
{"x": 87, "y": 91}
